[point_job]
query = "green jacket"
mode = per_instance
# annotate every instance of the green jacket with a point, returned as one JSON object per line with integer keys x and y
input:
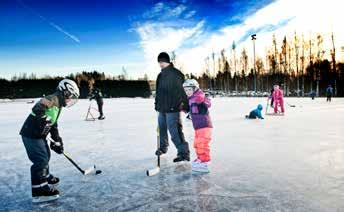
{"x": 43, "y": 118}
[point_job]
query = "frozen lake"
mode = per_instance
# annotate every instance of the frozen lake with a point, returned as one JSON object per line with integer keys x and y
{"x": 289, "y": 163}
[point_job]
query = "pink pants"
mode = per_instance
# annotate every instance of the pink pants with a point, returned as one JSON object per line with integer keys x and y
{"x": 280, "y": 103}
{"x": 201, "y": 143}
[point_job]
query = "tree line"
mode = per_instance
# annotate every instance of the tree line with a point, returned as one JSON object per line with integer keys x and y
{"x": 31, "y": 87}
{"x": 297, "y": 64}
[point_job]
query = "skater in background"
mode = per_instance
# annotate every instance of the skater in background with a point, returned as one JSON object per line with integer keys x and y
{"x": 312, "y": 94}
{"x": 170, "y": 99}
{"x": 42, "y": 121}
{"x": 329, "y": 93}
{"x": 278, "y": 99}
{"x": 97, "y": 95}
{"x": 199, "y": 114}
{"x": 256, "y": 113}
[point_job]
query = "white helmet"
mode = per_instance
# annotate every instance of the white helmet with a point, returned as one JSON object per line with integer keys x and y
{"x": 191, "y": 83}
{"x": 70, "y": 91}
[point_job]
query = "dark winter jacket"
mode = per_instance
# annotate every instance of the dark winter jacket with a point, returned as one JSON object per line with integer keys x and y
{"x": 170, "y": 96}
{"x": 329, "y": 91}
{"x": 43, "y": 118}
{"x": 97, "y": 95}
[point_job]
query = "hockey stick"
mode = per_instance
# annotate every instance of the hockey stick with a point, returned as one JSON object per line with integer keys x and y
{"x": 155, "y": 171}
{"x": 267, "y": 105}
{"x": 90, "y": 170}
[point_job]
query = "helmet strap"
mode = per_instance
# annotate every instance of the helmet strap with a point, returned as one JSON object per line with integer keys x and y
{"x": 62, "y": 100}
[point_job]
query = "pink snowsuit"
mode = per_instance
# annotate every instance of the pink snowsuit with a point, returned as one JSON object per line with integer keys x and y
{"x": 278, "y": 99}
{"x": 199, "y": 105}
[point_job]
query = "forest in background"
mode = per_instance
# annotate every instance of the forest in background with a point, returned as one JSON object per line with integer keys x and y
{"x": 31, "y": 87}
{"x": 297, "y": 64}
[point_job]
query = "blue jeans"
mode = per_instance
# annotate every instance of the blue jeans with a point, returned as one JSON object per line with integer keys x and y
{"x": 39, "y": 153}
{"x": 172, "y": 123}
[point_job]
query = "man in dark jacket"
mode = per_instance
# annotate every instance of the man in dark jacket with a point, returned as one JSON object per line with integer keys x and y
{"x": 97, "y": 95}
{"x": 169, "y": 101}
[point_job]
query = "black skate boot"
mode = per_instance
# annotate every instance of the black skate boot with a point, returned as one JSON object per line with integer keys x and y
{"x": 44, "y": 194}
{"x": 54, "y": 181}
{"x": 181, "y": 158}
{"x": 102, "y": 117}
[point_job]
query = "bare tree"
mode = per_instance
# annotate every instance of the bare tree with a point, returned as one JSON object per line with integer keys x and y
{"x": 276, "y": 70}
{"x": 296, "y": 43}
{"x": 311, "y": 59}
{"x": 234, "y": 68}
{"x": 303, "y": 65}
{"x": 333, "y": 56}
{"x": 284, "y": 59}
{"x": 320, "y": 54}
{"x": 244, "y": 62}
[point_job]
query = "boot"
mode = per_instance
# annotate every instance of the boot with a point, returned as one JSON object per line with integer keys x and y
{"x": 44, "y": 193}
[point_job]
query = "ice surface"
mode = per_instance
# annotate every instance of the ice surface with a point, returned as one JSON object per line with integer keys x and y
{"x": 289, "y": 163}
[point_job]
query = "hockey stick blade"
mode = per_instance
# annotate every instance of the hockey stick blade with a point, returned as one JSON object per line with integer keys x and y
{"x": 153, "y": 172}
{"x": 90, "y": 170}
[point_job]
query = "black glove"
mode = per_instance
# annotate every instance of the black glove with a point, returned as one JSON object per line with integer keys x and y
{"x": 57, "y": 146}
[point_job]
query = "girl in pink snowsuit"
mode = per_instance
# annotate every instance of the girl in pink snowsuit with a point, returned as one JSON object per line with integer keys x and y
{"x": 201, "y": 121}
{"x": 278, "y": 99}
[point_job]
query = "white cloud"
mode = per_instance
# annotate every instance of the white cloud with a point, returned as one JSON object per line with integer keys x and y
{"x": 177, "y": 11}
{"x": 282, "y": 18}
{"x": 156, "y": 10}
{"x": 163, "y": 11}
{"x": 159, "y": 37}
{"x": 190, "y": 14}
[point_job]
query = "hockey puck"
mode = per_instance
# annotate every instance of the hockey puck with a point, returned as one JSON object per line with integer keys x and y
{"x": 98, "y": 172}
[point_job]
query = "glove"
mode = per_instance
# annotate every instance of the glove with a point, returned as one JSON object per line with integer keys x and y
{"x": 184, "y": 107}
{"x": 57, "y": 146}
{"x": 188, "y": 117}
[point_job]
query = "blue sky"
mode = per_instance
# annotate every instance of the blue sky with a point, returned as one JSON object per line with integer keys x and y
{"x": 60, "y": 36}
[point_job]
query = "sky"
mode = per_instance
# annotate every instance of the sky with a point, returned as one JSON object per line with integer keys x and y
{"x": 59, "y": 37}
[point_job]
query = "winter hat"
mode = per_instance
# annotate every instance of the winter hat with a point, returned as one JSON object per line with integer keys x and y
{"x": 164, "y": 57}
{"x": 260, "y": 107}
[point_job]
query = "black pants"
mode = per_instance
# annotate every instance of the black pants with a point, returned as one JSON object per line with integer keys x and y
{"x": 38, "y": 152}
{"x": 328, "y": 98}
{"x": 252, "y": 115}
{"x": 172, "y": 123}
{"x": 100, "y": 108}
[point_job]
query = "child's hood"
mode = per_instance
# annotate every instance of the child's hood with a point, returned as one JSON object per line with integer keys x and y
{"x": 260, "y": 107}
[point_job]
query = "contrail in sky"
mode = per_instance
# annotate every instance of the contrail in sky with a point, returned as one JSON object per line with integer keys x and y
{"x": 57, "y": 27}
